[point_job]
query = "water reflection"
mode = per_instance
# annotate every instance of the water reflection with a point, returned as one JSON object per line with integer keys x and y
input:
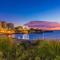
{"x": 44, "y": 35}
{"x": 48, "y": 35}
{"x": 22, "y": 36}
{"x": 25, "y": 36}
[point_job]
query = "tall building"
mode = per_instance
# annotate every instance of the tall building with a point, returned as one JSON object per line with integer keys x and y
{"x": 6, "y": 25}
{"x": 0, "y": 24}
{"x": 10, "y": 25}
{"x": 3, "y": 24}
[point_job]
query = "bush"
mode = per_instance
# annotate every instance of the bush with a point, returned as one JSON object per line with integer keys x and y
{"x": 35, "y": 50}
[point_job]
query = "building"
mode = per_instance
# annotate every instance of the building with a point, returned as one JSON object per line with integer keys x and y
{"x": 10, "y": 25}
{"x": 6, "y": 27}
{"x": 3, "y": 24}
{"x": 0, "y": 25}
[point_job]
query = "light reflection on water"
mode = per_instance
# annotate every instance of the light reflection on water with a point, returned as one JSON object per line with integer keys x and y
{"x": 46, "y": 35}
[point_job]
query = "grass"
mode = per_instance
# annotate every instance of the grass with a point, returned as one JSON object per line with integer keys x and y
{"x": 34, "y": 50}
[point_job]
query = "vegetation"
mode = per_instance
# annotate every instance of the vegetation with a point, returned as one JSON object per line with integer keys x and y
{"x": 29, "y": 50}
{"x": 25, "y": 30}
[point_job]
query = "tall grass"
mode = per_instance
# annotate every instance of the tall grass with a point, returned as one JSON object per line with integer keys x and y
{"x": 38, "y": 50}
{"x": 26, "y": 50}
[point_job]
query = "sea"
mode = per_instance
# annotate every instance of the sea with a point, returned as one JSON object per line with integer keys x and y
{"x": 36, "y": 36}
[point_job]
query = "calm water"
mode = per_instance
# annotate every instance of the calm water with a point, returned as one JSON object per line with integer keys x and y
{"x": 46, "y": 35}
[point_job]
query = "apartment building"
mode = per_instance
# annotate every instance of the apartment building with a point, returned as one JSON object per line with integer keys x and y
{"x": 10, "y": 25}
{"x": 6, "y": 25}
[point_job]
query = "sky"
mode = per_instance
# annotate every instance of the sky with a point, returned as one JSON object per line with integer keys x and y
{"x": 20, "y": 12}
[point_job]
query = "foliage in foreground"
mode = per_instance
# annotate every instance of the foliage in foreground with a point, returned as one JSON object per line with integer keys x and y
{"x": 26, "y": 50}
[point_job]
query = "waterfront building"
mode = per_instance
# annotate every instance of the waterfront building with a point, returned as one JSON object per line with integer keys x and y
{"x": 10, "y": 25}
{"x": 0, "y": 25}
{"x": 3, "y": 24}
{"x": 7, "y": 28}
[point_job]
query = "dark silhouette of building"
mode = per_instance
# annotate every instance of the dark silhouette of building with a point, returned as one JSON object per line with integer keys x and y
{"x": 10, "y": 25}
{"x": 3, "y": 24}
{"x": 6, "y": 25}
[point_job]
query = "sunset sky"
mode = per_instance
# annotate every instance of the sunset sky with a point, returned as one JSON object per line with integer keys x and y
{"x": 22, "y": 11}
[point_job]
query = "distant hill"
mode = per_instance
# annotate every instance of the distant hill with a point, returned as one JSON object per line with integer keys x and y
{"x": 44, "y": 25}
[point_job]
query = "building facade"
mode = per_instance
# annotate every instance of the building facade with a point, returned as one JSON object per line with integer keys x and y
{"x": 10, "y": 25}
{"x": 6, "y": 25}
{"x": 3, "y": 24}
